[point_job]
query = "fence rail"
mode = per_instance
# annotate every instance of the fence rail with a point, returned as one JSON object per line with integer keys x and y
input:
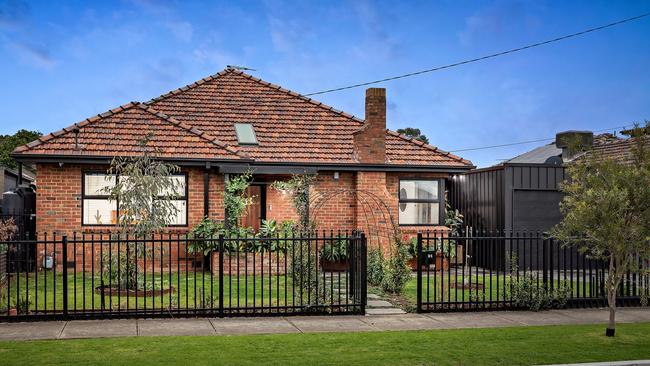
{"x": 497, "y": 271}
{"x": 106, "y": 276}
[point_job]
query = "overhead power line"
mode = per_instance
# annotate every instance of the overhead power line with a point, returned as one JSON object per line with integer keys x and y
{"x": 530, "y": 141}
{"x": 502, "y": 53}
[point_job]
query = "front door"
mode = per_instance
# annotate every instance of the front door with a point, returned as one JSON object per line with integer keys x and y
{"x": 254, "y": 213}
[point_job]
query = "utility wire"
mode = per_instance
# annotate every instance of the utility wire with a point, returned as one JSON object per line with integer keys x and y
{"x": 529, "y": 141}
{"x": 513, "y": 50}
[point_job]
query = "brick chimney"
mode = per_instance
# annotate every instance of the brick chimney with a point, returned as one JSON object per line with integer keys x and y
{"x": 370, "y": 140}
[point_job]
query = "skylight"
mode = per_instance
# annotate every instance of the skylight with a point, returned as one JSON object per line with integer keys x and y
{"x": 245, "y": 134}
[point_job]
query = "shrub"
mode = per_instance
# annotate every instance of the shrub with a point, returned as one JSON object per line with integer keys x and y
{"x": 526, "y": 293}
{"x": 309, "y": 285}
{"x": 375, "y": 269}
{"x": 336, "y": 250}
{"x": 396, "y": 271}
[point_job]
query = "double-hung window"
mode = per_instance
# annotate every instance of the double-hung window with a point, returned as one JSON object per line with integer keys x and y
{"x": 421, "y": 202}
{"x": 99, "y": 209}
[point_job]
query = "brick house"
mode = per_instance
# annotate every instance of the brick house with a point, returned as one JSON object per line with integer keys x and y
{"x": 231, "y": 122}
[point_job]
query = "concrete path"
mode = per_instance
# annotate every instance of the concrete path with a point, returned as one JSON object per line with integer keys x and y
{"x": 308, "y": 324}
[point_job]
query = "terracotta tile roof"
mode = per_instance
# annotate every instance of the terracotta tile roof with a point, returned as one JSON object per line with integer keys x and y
{"x": 290, "y": 128}
{"x": 118, "y": 131}
{"x": 618, "y": 149}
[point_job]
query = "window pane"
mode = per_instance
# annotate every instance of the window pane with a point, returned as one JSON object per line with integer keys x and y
{"x": 95, "y": 183}
{"x": 418, "y": 189}
{"x": 99, "y": 212}
{"x": 179, "y": 186}
{"x": 245, "y": 133}
{"x": 180, "y": 218}
{"x": 419, "y": 213}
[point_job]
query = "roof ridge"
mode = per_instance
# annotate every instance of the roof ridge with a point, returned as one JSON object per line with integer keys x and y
{"x": 200, "y": 133}
{"x": 429, "y": 147}
{"x": 259, "y": 81}
{"x": 74, "y": 126}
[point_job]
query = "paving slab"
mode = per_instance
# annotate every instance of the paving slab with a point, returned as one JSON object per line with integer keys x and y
{"x": 100, "y": 328}
{"x": 379, "y": 304}
{"x": 609, "y": 363}
{"x": 239, "y": 326}
{"x": 31, "y": 330}
{"x": 473, "y": 320}
{"x": 175, "y": 327}
{"x": 373, "y": 297}
{"x": 308, "y": 324}
{"x": 384, "y": 311}
{"x": 403, "y": 322}
{"x": 535, "y": 318}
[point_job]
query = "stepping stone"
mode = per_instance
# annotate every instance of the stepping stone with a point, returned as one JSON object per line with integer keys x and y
{"x": 379, "y": 304}
{"x": 373, "y": 297}
{"x": 384, "y": 311}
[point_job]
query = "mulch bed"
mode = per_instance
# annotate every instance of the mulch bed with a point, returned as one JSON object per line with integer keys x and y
{"x": 114, "y": 291}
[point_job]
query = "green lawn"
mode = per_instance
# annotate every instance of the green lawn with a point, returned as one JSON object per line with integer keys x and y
{"x": 492, "y": 346}
{"x": 189, "y": 289}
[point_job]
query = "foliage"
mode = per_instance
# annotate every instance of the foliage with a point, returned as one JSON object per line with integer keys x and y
{"x": 335, "y": 250}
{"x": 375, "y": 269}
{"x": 414, "y": 133}
{"x": 298, "y": 187}
{"x": 206, "y": 229}
{"x": 145, "y": 189}
{"x": 396, "y": 271}
{"x": 22, "y": 306}
{"x": 9, "y": 142}
{"x": 8, "y": 230}
{"x": 234, "y": 199}
{"x": 119, "y": 268}
{"x": 606, "y": 213}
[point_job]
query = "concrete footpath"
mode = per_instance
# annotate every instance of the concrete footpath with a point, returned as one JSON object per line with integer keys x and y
{"x": 308, "y": 324}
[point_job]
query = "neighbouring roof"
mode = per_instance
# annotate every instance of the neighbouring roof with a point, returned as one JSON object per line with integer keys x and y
{"x": 537, "y": 155}
{"x": 197, "y": 121}
{"x": 606, "y": 145}
{"x": 618, "y": 149}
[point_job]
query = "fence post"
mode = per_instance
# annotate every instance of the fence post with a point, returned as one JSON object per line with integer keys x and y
{"x": 221, "y": 248}
{"x": 64, "y": 245}
{"x": 545, "y": 262}
{"x": 352, "y": 273}
{"x": 418, "y": 262}
{"x": 362, "y": 271}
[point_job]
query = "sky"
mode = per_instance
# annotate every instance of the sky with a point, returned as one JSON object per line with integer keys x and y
{"x": 64, "y": 61}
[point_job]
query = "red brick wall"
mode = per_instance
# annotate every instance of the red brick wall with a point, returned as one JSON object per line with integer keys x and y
{"x": 58, "y": 207}
{"x": 355, "y": 200}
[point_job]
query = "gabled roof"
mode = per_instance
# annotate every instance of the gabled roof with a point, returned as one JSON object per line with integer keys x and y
{"x": 118, "y": 131}
{"x": 290, "y": 128}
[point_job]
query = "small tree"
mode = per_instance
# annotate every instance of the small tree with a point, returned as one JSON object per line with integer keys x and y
{"x": 414, "y": 133}
{"x": 144, "y": 188}
{"x": 606, "y": 214}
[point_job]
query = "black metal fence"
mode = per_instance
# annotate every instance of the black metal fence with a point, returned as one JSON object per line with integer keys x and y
{"x": 535, "y": 269}
{"x": 107, "y": 276}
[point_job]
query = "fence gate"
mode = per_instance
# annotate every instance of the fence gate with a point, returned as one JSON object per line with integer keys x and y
{"x": 496, "y": 271}
{"x": 107, "y": 276}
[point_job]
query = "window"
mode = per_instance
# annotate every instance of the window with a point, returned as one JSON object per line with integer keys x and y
{"x": 245, "y": 134}
{"x": 99, "y": 209}
{"x": 421, "y": 202}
